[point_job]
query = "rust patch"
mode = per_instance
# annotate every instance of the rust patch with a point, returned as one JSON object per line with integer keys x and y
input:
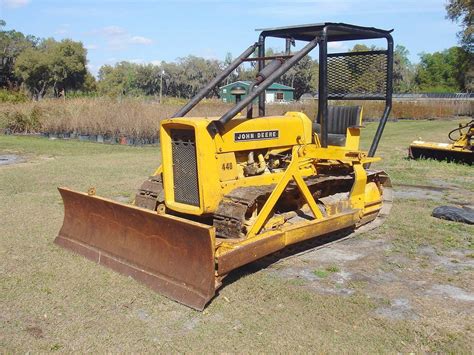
{"x": 173, "y": 256}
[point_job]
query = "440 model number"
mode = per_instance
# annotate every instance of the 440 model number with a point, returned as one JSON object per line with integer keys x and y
{"x": 256, "y": 135}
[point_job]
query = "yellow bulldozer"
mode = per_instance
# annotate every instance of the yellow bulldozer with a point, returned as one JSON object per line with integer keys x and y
{"x": 235, "y": 188}
{"x": 461, "y": 150}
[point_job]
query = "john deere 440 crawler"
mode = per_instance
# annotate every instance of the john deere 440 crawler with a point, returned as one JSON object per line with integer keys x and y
{"x": 235, "y": 188}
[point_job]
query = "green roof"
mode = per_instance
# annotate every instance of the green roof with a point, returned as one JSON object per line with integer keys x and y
{"x": 247, "y": 83}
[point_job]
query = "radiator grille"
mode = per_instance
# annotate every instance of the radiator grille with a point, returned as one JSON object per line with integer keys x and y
{"x": 185, "y": 176}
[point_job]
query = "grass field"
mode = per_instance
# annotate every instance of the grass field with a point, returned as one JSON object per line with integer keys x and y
{"x": 405, "y": 287}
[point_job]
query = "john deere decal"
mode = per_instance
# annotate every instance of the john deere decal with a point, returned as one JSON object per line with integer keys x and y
{"x": 255, "y": 136}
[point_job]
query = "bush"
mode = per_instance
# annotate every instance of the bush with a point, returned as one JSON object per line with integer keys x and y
{"x": 22, "y": 121}
{"x": 12, "y": 96}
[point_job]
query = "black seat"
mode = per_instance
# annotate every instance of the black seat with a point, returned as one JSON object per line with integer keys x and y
{"x": 339, "y": 119}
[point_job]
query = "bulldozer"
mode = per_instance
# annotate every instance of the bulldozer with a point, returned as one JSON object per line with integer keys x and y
{"x": 239, "y": 187}
{"x": 461, "y": 150}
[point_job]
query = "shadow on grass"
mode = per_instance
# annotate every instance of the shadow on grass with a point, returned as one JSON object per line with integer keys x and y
{"x": 286, "y": 253}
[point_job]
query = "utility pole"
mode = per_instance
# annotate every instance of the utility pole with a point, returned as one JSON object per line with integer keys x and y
{"x": 161, "y": 85}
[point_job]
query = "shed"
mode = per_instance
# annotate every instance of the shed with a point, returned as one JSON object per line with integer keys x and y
{"x": 237, "y": 90}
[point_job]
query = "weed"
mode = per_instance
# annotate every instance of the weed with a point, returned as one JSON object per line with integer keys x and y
{"x": 451, "y": 242}
{"x": 320, "y": 273}
{"x": 55, "y": 347}
{"x": 333, "y": 268}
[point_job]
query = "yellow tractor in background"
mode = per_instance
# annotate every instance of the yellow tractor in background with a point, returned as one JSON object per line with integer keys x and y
{"x": 461, "y": 150}
{"x": 235, "y": 188}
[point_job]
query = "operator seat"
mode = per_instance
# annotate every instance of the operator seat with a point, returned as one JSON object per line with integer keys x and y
{"x": 340, "y": 118}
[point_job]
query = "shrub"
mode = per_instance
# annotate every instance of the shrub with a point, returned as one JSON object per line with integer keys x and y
{"x": 12, "y": 96}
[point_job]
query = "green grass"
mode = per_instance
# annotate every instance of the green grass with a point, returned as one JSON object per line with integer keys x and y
{"x": 393, "y": 149}
{"x": 326, "y": 272}
{"x": 53, "y": 300}
{"x": 320, "y": 273}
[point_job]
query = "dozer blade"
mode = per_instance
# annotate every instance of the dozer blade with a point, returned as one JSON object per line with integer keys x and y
{"x": 173, "y": 256}
{"x": 449, "y": 155}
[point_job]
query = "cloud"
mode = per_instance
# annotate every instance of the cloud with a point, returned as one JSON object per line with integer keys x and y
{"x": 91, "y": 46}
{"x": 337, "y": 47}
{"x": 140, "y": 40}
{"x": 112, "y": 31}
{"x": 62, "y": 30}
{"x": 119, "y": 38}
{"x": 13, "y": 4}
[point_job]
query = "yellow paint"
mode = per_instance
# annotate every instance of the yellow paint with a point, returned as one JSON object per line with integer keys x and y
{"x": 463, "y": 144}
{"x": 227, "y": 166}
{"x": 292, "y": 128}
{"x": 221, "y": 160}
{"x": 353, "y": 134}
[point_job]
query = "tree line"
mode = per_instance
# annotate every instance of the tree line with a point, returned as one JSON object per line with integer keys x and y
{"x": 46, "y": 67}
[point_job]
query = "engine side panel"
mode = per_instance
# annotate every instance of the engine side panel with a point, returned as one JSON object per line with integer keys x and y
{"x": 196, "y": 184}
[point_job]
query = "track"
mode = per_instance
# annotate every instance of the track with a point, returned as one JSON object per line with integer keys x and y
{"x": 151, "y": 193}
{"x": 232, "y": 215}
{"x": 311, "y": 245}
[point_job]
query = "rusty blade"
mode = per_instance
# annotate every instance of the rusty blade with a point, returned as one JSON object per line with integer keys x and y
{"x": 173, "y": 256}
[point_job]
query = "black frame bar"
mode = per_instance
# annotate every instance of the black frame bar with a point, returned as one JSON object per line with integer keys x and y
{"x": 320, "y": 34}
{"x": 218, "y": 126}
{"x": 323, "y": 94}
{"x": 207, "y": 89}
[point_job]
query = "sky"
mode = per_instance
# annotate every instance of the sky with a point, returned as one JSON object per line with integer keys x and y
{"x": 151, "y": 31}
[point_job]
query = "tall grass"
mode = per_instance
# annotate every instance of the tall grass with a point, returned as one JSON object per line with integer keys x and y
{"x": 140, "y": 118}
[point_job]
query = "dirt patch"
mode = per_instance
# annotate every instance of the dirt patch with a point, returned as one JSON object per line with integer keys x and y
{"x": 437, "y": 192}
{"x": 9, "y": 159}
{"x": 37, "y": 332}
{"x": 448, "y": 291}
{"x": 400, "y": 287}
{"x": 419, "y": 192}
{"x": 333, "y": 254}
{"x": 454, "y": 261}
{"x": 398, "y": 309}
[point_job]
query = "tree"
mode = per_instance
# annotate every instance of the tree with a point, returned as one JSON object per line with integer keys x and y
{"x": 117, "y": 80}
{"x": 12, "y": 43}
{"x": 68, "y": 65}
{"x": 59, "y": 66}
{"x": 182, "y": 79}
{"x": 403, "y": 71}
{"x": 443, "y": 71}
{"x": 302, "y": 77}
{"x": 197, "y": 72}
{"x": 147, "y": 79}
{"x": 233, "y": 76}
{"x": 463, "y": 11}
{"x": 90, "y": 84}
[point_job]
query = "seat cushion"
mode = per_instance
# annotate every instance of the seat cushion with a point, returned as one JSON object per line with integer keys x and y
{"x": 339, "y": 119}
{"x": 342, "y": 117}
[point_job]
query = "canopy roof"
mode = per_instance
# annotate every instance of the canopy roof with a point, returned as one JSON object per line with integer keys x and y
{"x": 335, "y": 32}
